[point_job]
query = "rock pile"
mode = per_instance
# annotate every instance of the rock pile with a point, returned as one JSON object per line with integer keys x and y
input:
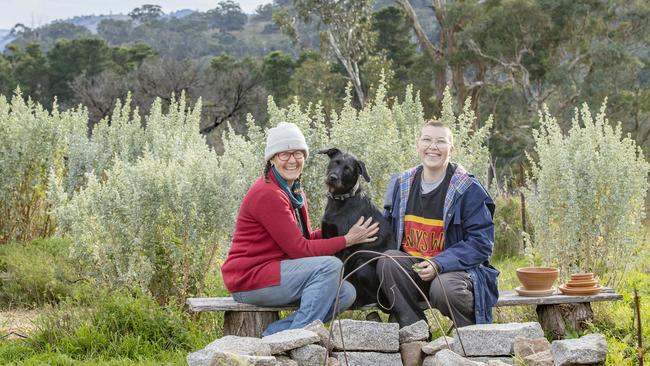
{"x": 496, "y": 344}
{"x": 372, "y": 343}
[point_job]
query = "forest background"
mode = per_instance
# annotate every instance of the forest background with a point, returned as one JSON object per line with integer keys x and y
{"x": 510, "y": 57}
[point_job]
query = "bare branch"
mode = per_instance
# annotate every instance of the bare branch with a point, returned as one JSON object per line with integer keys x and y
{"x": 432, "y": 51}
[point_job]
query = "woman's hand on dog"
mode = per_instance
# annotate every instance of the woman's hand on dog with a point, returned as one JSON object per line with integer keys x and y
{"x": 426, "y": 270}
{"x": 362, "y": 231}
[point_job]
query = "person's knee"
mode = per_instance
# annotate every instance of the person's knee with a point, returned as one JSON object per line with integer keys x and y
{"x": 437, "y": 285}
{"x": 330, "y": 264}
{"x": 347, "y": 295}
{"x": 329, "y": 268}
{"x": 450, "y": 286}
{"x": 386, "y": 263}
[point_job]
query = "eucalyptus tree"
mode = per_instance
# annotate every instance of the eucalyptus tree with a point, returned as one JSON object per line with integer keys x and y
{"x": 444, "y": 48}
{"x": 277, "y": 69}
{"x": 115, "y": 31}
{"x": 165, "y": 79}
{"x": 48, "y": 34}
{"x": 146, "y": 13}
{"x": 345, "y": 28}
{"x": 559, "y": 53}
{"x": 328, "y": 89}
{"x": 227, "y": 16}
{"x": 515, "y": 56}
{"x": 29, "y": 71}
{"x": 394, "y": 40}
{"x": 231, "y": 89}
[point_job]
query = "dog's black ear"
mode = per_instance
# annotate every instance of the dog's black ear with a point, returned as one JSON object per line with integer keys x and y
{"x": 363, "y": 170}
{"x": 331, "y": 152}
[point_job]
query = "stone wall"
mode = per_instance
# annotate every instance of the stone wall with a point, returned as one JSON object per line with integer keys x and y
{"x": 366, "y": 343}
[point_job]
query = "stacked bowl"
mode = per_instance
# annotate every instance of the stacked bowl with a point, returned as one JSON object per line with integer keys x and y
{"x": 581, "y": 284}
{"x": 536, "y": 281}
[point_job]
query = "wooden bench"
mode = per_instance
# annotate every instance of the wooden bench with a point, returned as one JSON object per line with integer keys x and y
{"x": 554, "y": 312}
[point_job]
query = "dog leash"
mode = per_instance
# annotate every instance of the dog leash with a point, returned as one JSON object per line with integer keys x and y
{"x": 425, "y": 298}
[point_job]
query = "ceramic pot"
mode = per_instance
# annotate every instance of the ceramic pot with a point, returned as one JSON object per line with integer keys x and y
{"x": 537, "y": 278}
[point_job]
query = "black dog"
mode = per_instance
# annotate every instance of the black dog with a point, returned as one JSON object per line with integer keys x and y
{"x": 346, "y": 202}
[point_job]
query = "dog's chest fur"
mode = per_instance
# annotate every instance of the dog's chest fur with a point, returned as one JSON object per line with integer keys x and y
{"x": 341, "y": 215}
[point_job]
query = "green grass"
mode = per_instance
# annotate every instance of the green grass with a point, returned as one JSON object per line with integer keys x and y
{"x": 508, "y": 281}
{"x": 616, "y": 320}
{"x": 23, "y": 284}
{"x": 118, "y": 327}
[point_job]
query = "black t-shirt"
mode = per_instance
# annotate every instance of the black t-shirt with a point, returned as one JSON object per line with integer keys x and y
{"x": 423, "y": 223}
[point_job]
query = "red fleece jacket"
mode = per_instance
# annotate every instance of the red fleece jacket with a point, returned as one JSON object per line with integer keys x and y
{"x": 266, "y": 233}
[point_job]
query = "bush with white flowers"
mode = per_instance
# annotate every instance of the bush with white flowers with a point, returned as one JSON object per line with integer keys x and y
{"x": 586, "y": 196}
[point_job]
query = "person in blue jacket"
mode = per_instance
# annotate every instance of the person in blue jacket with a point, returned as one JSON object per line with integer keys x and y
{"x": 442, "y": 219}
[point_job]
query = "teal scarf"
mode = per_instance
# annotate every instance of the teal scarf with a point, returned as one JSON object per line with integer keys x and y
{"x": 297, "y": 199}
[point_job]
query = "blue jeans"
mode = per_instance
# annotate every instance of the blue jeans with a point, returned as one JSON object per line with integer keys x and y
{"x": 313, "y": 281}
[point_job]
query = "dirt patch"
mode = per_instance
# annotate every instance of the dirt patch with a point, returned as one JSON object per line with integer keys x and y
{"x": 17, "y": 323}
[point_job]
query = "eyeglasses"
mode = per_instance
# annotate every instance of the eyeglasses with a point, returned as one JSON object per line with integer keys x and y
{"x": 286, "y": 155}
{"x": 427, "y": 142}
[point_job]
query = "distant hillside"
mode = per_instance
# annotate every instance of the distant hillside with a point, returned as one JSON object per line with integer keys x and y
{"x": 222, "y": 30}
{"x": 91, "y": 22}
{"x": 5, "y": 38}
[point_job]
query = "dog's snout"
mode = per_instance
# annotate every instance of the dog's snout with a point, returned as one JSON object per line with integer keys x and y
{"x": 332, "y": 178}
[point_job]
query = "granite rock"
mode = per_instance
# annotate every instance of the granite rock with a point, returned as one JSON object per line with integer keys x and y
{"x": 290, "y": 339}
{"x": 358, "y": 335}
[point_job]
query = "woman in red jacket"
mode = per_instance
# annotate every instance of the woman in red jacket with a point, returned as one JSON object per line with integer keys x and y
{"x": 275, "y": 258}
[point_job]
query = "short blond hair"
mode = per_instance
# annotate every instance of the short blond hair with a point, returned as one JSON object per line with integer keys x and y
{"x": 437, "y": 123}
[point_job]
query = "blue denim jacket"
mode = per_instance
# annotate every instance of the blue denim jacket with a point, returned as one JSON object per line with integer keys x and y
{"x": 469, "y": 232}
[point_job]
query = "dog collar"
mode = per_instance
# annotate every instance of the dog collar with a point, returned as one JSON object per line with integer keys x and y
{"x": 353, "y": 192}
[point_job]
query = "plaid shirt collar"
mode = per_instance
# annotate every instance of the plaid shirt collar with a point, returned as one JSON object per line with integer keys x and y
{"x": 459, "y": 183}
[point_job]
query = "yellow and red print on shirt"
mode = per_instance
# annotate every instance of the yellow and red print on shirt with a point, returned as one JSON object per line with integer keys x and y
{"x": 423, "y": 237}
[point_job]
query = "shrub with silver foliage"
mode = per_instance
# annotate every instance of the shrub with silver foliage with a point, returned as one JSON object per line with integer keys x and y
{"x": 586, "y": 196}
{"x": 152, "y": 206}
{"x": 32, "y": 141}
{"x": 155, "y": 218}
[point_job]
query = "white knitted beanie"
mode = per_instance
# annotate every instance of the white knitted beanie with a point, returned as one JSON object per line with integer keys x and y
{"x": 285, "y": 136}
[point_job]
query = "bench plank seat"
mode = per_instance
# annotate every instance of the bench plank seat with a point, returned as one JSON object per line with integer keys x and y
{"x": 554, "y": 312}
{"x": 506, "y": 298}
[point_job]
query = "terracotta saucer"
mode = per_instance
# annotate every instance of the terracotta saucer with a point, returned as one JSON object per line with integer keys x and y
{"x": 582, "y": 276}
{"x": 580, "y": 290}
{"x": 590, "y": 283}
{"x": 534, "y": 293}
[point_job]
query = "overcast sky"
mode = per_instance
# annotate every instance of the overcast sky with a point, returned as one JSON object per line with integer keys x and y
{"x": 39, "y": 12}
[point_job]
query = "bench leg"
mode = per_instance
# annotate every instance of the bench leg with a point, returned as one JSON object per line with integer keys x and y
{"x": 556, "y": 318}
{"x": 247, "y": 323}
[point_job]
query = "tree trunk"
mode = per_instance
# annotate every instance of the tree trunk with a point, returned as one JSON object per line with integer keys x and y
{"x": 436, "y": 55}
{"x": 247, "y": 324}
{"x": 556, "y": 318}
{"x": 351, "y": 67}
